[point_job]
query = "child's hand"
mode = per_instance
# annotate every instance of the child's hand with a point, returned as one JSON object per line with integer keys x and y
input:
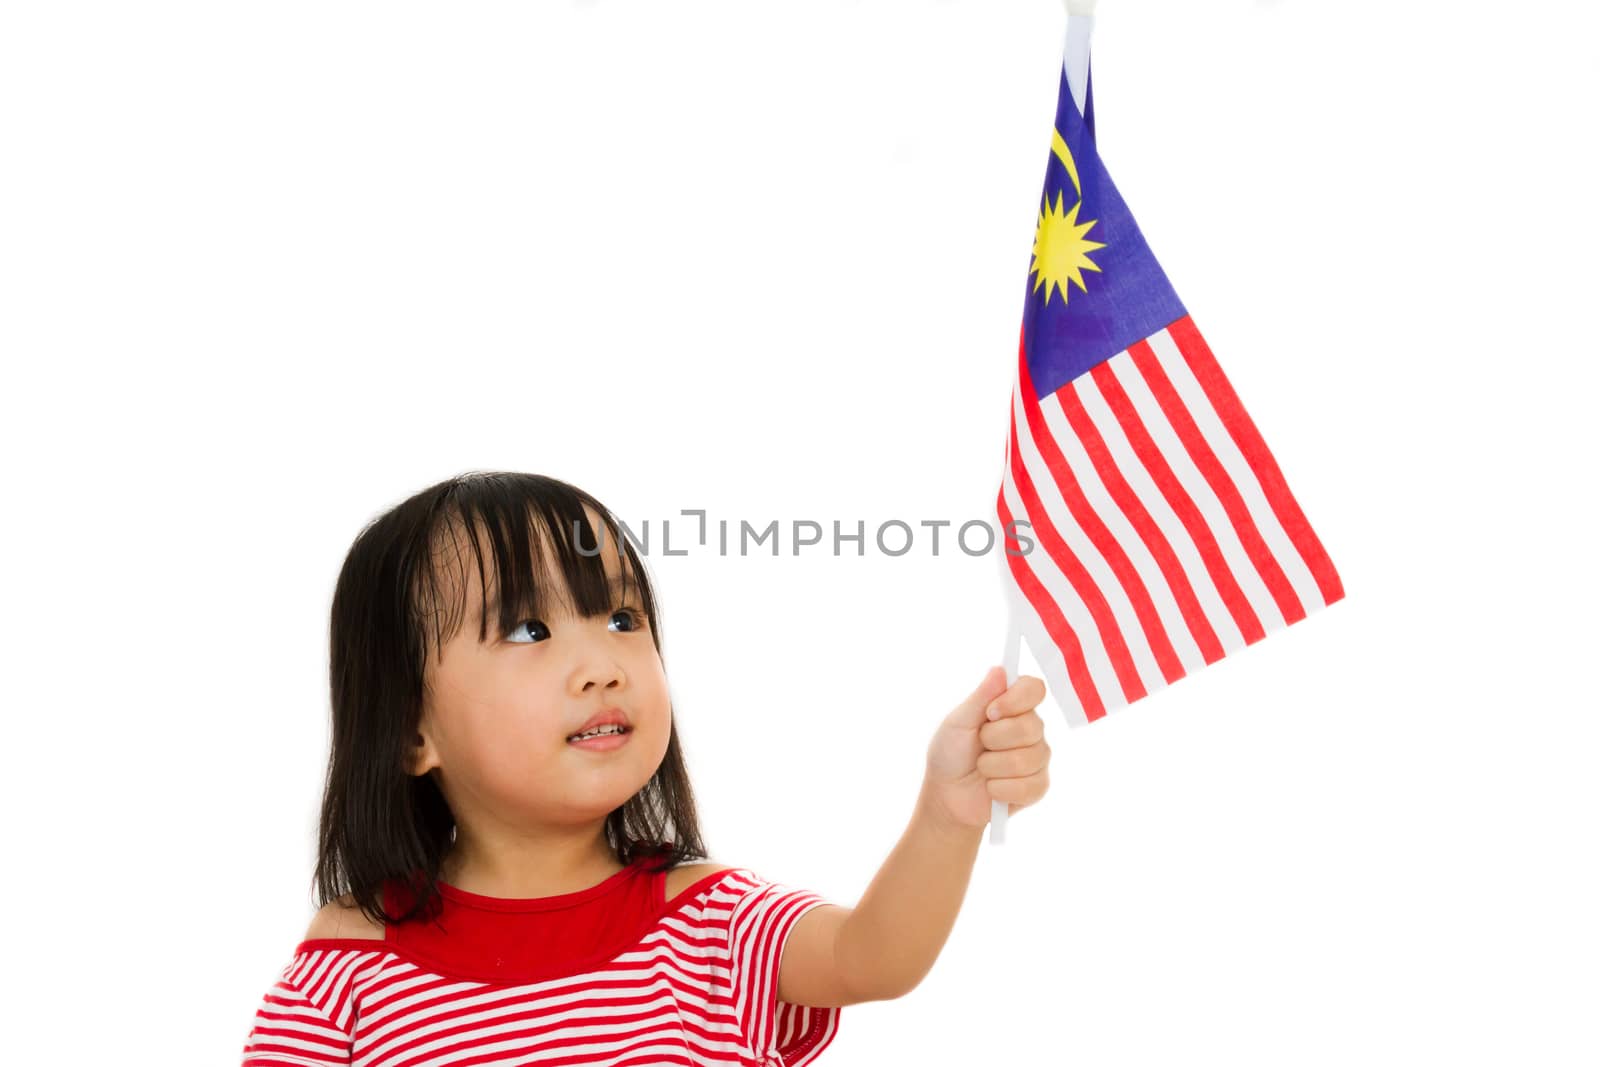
{"x": 974, "y": 760}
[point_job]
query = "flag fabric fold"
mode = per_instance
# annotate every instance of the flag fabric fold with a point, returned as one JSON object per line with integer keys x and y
{"x": 1154, "y": 533}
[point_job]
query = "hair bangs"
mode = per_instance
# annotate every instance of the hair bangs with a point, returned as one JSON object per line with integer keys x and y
{"x": 534, "y": 553}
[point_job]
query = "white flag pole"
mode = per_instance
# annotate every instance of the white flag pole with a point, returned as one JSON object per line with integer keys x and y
{"x": 1080, "y": 20}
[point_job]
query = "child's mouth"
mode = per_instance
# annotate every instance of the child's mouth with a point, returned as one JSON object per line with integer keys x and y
{"x": 601, "y": 742}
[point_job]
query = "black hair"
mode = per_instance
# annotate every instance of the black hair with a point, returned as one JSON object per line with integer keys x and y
{"x": 392, "y": 608}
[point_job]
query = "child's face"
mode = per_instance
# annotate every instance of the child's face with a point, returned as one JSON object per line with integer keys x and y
{"x": 496, "y": 715}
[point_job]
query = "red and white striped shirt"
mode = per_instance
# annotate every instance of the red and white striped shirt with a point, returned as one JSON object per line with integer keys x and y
{"x": 614, "y": 974}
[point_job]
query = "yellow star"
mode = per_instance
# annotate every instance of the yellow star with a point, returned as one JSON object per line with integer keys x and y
{"x": 1060, "y": 250}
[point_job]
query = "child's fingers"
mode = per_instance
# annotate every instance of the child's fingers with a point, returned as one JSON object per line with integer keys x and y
{"x": 1024, "y": 693}
{"x": 1018, "y": 731}
{"x": 1019, "y": 792}
{"x": 1014, "y": 762}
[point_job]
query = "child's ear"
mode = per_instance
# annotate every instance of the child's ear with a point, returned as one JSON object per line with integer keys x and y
{"x": 423, "y": 756}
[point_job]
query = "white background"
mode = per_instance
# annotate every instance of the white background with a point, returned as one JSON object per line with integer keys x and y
{"x": 269, "y": 269}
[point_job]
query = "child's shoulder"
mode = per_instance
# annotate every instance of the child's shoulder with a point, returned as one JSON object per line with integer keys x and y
{"x": 342, "y": 919}
{"x": 685, "y": 875}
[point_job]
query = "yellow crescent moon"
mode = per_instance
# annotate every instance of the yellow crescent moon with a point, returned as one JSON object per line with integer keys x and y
{"x": 1059, "y": 147}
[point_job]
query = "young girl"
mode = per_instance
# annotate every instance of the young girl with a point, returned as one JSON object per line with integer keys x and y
{"x": 506, "y": 851}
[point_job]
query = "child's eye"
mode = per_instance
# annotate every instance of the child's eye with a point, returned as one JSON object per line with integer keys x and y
{"x": 635, "y": 617}
{"x": 531, "y": 624}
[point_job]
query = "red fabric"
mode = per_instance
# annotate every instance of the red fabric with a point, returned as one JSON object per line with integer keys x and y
{"x": 498, "y": 939}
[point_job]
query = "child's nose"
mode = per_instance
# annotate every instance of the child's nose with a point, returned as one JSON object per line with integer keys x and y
{"x": 598, "y": 669}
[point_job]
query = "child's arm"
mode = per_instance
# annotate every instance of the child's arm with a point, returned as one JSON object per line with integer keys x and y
{"x": 884, "y": 946}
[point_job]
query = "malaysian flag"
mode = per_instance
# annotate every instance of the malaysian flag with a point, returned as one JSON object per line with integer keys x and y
{"x": 1159, "y": 534}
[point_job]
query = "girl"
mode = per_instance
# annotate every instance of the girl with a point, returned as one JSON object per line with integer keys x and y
{"x": 506, "y": 855}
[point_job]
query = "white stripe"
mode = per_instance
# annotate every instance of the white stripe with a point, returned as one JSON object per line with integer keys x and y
{"x": 1161, "y": 513}
{"x": 1054, "y": 504}
{"x": 1101, "y": 674}
{"x": 1122, "y": 532}
{"x": 1171, "y": 448}
{"x": 1216, "y": 435}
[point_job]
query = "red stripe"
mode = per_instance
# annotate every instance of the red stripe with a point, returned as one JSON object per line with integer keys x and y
{"x": 1055, "y": 624}
{"x": 1067, "y": 562}
{"x": 1211, "y": 469}
{"x": 1155, "y": 541}
{"x": 1178, "y": 499}
{"x": 1092, "y": 525}
{"x": 1206, "y": 370}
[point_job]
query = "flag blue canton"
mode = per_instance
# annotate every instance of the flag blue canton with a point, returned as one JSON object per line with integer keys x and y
{"x": 1124, "y": 297}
